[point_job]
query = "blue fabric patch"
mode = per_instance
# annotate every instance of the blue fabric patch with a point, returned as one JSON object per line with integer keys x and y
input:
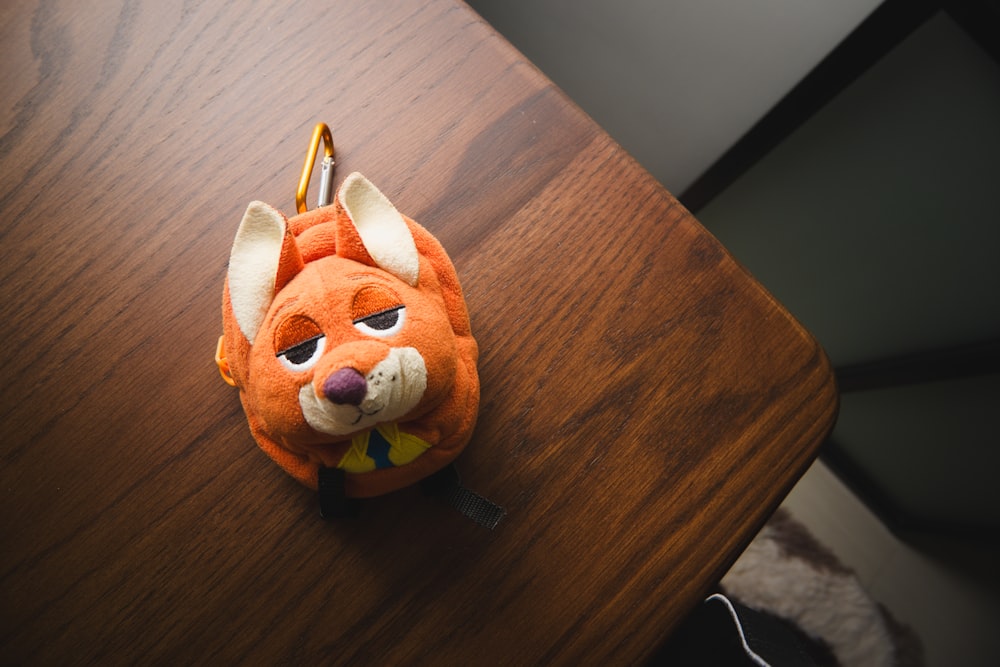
{"x": 378, "y": 449}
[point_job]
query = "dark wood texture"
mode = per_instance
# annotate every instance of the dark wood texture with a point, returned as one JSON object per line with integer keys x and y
{"x": 646, "y": 404}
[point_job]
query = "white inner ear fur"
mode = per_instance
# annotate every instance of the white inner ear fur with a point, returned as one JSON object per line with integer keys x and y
{"x": 381, "y": 228}
{"x": 253, "y": 266}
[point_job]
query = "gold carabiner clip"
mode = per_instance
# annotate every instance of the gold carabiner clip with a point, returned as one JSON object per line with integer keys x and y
{"x": 321, "y": 131}
{"x": 223, "y": 363}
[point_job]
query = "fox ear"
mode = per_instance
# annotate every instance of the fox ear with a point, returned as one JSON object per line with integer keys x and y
{"x": 264, "y": 258}
{"x": 379, "y": 236}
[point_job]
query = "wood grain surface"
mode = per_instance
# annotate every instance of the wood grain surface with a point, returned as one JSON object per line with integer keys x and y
{"x": 645, "y": 403}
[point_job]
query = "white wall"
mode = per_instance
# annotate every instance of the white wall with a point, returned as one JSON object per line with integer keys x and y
{"x": 875, "y": 222}
{"x": 676, "y": 82}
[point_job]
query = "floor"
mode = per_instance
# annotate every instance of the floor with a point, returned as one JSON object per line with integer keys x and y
{"x": 949, "y": 593}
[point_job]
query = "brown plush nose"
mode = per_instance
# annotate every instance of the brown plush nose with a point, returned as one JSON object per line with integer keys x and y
{"x": 346, "y": 387}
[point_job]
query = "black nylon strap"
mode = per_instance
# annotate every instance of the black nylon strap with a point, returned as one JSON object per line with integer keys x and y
{"x": 333, "y": 500}
{"x": 447, "y": 484}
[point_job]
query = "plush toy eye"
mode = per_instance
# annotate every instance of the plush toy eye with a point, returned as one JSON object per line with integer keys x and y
{"x": 382, "y": 324}
{"x": 304, "y": 355}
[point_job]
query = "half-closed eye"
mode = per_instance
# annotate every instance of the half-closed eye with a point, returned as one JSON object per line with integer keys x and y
{"x": 382, "y": 324}
{"x": 304, "y": 355}
{"x": 299, "y": 343}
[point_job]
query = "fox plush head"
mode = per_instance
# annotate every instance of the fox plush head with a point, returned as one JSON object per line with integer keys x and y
{"x": 347, "y": 334}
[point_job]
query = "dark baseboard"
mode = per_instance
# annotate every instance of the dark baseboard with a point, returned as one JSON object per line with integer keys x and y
{"x": 887, "y": 26}
{"x": 962, "y": 361}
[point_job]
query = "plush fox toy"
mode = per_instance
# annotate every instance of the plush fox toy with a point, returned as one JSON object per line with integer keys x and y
{"x": 347, "y": 334}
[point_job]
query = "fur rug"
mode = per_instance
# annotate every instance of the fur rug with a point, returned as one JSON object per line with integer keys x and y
{"x": 787, "y": 573}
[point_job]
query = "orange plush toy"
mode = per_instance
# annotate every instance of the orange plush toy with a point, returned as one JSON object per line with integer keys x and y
{"x": 347, "y": 334}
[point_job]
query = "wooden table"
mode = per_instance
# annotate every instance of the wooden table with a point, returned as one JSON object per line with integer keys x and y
{"x": 645, "y": 403}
